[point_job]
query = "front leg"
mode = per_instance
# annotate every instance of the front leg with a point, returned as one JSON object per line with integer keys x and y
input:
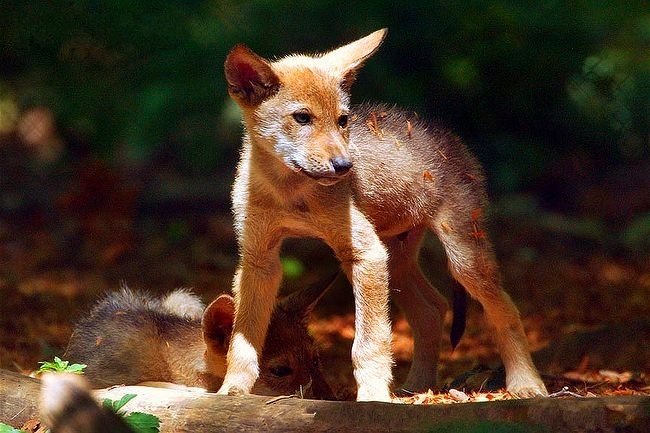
{"x": 365, "y": 261}
{"x": 255, "y": 288}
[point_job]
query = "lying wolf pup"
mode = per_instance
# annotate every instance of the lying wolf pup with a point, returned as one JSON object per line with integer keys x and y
{"x": 369, "y": 181}
{"x": 131, "y": 337}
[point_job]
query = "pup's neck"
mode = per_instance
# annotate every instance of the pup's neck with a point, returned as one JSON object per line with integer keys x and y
{"x": 269, "y": 175}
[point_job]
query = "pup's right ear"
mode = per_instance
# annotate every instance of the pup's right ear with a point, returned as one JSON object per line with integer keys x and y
{"x": 348, "y": 59}
{"x": 250, "y": 77}
{"x": 217, "y": 323}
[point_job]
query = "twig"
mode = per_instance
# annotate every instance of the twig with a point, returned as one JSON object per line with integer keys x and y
{"x": 300, "y": 394}
{"x": 281, "y": 397}
{"x": 19, "y": 412}
{"x": 564, "y": 392}
{"x": 596, "y": 384}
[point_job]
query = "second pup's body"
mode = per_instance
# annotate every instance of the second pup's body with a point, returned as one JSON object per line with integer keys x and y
{"x": 131, "y": 337}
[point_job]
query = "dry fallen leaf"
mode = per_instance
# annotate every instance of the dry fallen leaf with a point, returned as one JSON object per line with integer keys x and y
{"x": 458, "y": 395}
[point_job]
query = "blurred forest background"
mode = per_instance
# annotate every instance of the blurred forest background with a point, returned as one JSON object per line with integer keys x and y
{"x": 118, "y": 145}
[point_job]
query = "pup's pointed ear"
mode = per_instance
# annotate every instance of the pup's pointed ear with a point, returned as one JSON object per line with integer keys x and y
{"x": 250, "y": 77}
{"x": 348, "y": 59}
{"x": 302, "y": 302}
{"x": 217, "y": 323}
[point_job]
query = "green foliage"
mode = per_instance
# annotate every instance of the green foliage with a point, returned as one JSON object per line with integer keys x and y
{"x": 143, "y": 422}
{"x": 4, "y": 428}
{"x": 636, "y": 235}
{"x": 138, "y": 421}
{"x": 520, "y": 79}
{"x": 581, "y": 228}
{"x": 292, "y": 267}
{"x": 60, "y": 366}
{"x": 116, "y": 405}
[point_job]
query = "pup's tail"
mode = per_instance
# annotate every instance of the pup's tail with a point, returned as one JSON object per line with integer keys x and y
{"x": 460, "y": 314}
{"x": 67, "y": 407}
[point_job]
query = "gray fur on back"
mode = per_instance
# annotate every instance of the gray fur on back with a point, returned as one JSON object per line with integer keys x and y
{"x": 123, "y": 339}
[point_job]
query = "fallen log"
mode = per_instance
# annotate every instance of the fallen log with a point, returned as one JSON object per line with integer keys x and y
{"x": 184, "y": 411}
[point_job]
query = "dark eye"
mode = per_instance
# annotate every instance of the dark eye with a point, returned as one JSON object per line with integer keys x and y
{"x": 343, "y": 121}
{"x": 281, "y": 371}
{"x": 302, "y": 117}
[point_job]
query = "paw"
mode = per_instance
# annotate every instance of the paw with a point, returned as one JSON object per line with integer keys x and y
{"x": 231, "y": 390}
{"x": 528, "y": 389}
{"x": 374, "y": 394}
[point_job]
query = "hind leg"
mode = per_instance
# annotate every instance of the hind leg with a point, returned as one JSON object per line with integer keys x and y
{"x": 423, "y": 306}
{"x": 472, "y": 263}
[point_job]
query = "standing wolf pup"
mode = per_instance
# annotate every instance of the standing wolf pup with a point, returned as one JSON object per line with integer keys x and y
{"x": 369, "y": 181}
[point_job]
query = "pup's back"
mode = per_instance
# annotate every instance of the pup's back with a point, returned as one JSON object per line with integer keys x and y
{"x": 132, "y": 337}
{"x": 406, "y": 170}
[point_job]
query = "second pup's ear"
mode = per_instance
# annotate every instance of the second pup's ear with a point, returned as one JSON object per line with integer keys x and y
{"x": 348, "y": 59}
{"x": 302, "y": 302}
{"x": 217, "y": 323}
{"x": 250, "y": 77}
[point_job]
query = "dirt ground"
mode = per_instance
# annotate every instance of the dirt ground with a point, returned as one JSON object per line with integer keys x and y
{"x": 584, "y": 303}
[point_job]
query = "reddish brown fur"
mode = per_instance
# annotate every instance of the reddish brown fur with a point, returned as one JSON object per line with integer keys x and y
{"x": 407, "y": 177}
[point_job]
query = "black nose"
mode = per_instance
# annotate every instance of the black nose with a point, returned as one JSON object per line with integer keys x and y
{"x": 341, "y": 164}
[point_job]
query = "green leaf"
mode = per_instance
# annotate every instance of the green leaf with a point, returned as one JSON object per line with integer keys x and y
{"x": 107, "y": 403}
{"x": 115, "y": 406}
{"x": 4, "y": 428}
{"x": 60, "y": 366}
{"x": 138, "y": 421}
{"x": 75, "y": 368}
{"x": 143, "y": 422}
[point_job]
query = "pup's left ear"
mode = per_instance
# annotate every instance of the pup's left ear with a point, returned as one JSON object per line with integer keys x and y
{"x": 250, "y": 77}
{"x": 217, "y": 323}
{"x": 348, "y": 59}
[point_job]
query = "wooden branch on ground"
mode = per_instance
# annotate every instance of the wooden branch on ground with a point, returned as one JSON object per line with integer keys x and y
{"x": 184, "y": 411}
